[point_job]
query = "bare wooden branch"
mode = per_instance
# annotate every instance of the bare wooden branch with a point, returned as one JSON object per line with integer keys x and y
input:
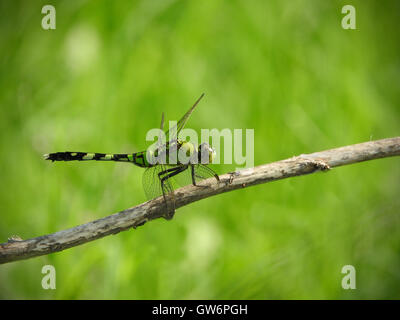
{"x": 17, "y": 249}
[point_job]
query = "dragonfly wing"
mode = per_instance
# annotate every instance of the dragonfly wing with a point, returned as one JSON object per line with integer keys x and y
{"x": 202, "y": 172}
{"x": 155, "y": 187}
{"x": 152, "y": 183}
{"x": 172, "y": 134}
{"x": 162, "y": 122}
{"x": 184, "y": 178}
{"x": 160, "y": 142}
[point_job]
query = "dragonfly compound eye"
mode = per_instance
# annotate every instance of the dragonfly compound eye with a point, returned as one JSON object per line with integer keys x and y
{"x": 186, "y": 152}
{"x": 206, "y": 154}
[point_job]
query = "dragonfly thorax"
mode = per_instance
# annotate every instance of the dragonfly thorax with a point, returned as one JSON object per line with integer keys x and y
{"x": 206, "y": 153}
{"x": 182, "y": 153}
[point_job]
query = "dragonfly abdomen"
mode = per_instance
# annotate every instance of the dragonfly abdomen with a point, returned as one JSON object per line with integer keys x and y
{"x": 138, "y": 158}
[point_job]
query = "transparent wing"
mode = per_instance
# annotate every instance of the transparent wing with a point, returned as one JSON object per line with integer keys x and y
{"x": 151, "y": 182}
{"x": 184, "y": 178}
{"x": 162, "y": 121}
{"x": 201, "y": 172}
{"x": 152, "y": 185}
{"x": 160, "y": 142}
{"x": 172, "y": 134}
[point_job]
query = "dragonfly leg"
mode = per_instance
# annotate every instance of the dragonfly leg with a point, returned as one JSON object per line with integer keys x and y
{"x": 168, "y": 170}
{"x": 169, "y": 174}
{"x": 194, "y": 177}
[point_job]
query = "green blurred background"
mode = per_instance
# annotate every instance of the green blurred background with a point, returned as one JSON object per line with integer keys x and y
{"x": 286, "y": 69}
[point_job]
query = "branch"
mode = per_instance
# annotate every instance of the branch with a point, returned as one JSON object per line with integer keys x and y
{"x": 17, "y": 249}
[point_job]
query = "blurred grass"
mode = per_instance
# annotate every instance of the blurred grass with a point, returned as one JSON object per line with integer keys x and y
{"x": 287, "y": 69}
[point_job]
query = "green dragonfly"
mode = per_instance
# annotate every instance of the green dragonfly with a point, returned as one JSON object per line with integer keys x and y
{"x": 171, "y": 163}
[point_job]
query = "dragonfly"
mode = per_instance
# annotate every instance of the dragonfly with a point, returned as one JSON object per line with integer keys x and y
{"x": 171, "y": 163}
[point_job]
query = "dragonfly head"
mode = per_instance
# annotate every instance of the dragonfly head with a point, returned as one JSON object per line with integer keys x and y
{"x": 206, "y": 153}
